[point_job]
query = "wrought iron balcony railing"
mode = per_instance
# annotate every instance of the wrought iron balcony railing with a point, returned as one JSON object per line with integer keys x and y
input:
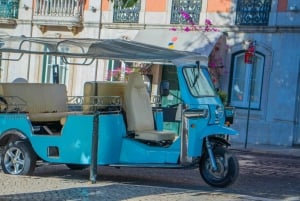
{"x": 253, "y": 12}
{"x": 58, "y": 13}
{"x": 192, "y": 7}
{"x": 9, "y": 11}
{"x": 126, "y": 15}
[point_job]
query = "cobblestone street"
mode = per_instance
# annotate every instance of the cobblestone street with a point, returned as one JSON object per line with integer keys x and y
{"x": 34, "y": 188}
{"x": 262, "y": 177}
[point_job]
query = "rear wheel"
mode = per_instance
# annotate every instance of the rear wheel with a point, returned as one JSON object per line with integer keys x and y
{"x": 18, "y": 158}
{"x": 227, "y": 168}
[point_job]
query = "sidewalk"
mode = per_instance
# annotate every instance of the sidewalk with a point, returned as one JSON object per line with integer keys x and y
{"x": 267, "y": 149}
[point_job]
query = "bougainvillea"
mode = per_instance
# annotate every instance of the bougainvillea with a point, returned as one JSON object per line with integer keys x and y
{"x": 208, "y": 26}
{"x": 115, "y": 74}
{"x": 215, "y": 62}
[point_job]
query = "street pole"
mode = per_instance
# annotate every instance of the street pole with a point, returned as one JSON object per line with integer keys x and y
{"x": 94, "y": 151}
{"x": 249, "y": 60}
{"x": 249, "y": 105}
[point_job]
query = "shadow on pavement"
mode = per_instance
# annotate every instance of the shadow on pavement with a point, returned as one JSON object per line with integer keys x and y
{"x": 118, "y": 192}
{"x": 110, "y": 192}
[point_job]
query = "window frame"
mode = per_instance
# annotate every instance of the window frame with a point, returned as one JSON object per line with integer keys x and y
{"x": 10, "y": 9}
{"x": 177, "y": 18}
{"x": 247, "y": 85}
{"x": 205, "y": 81}
{"x": 247, "y": 12}
{"x": 118, "y": 71}
{"x": 47, "y": 73}
{"x": 133, "y": 12}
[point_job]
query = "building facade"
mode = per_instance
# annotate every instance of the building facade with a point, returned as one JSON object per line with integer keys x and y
{"x": 265, "y": 94}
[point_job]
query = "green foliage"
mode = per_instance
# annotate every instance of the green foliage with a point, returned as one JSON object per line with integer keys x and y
{"x": 127, "y": 3}
{"x": 223, "y": 97}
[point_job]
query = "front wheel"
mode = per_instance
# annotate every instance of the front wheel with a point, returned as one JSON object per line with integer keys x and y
{"x": 18, "y": 158}
{"x": 227, "y": 168}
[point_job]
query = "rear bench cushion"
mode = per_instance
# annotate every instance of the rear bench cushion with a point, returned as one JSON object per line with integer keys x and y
{"x": 44, "y": 102}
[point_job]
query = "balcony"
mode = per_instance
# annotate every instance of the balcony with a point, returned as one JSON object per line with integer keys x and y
{"x": 126, "y": 15}
{"x": 253, "y": 13}
{"x": 9, "y": 11}
{"x": 193, "y": 8}
{"x": 58, "y": 13}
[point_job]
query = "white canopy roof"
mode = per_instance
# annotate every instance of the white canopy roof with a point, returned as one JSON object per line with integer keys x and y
{"x": 193, "y": 41}
{"x": 95, "y": 49}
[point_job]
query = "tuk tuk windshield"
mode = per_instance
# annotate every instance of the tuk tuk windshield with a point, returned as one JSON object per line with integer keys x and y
{"x": 198, "y": 81}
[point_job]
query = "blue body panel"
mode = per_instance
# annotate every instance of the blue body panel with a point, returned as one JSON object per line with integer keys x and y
{"x": 135, "y": 152}
{"x": 112, "y": 133}
{"x": 74, "y": 143}
{"x": 18, "y": 122}
{"x": 197, "y": 134}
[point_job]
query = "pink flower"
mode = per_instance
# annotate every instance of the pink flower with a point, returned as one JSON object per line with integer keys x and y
{"x": 212, "y": 64}
{"x": 193, "y": 27}
{"x": 187, "y": 29}
{"x": 185, "y": 15}
{"x": 208, "y": 22}
{"x": 206, "y": 29}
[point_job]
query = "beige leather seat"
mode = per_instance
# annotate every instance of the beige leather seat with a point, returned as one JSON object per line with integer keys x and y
{"x": 139, "y": 112}
{"x": 44, "y": 102}
{"x": 101, "y": 89}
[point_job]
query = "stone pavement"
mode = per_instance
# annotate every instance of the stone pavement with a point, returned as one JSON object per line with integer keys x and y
{"x": 34, "y": 188}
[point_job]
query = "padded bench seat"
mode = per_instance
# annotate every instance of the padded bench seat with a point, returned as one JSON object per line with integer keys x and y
{"x": 51, "y": 116}
{"x": 43, "y": 102}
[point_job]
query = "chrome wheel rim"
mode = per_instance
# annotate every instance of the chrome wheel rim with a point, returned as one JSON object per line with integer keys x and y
{"x": 14, "y": 160}
{"x": 221, "y": 171}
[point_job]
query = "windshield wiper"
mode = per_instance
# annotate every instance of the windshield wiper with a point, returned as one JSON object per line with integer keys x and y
{"x": 195, "y": 80}
{"x": 197, "y": 76}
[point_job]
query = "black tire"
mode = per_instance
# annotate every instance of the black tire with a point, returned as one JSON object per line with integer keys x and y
{"x": 227, "y": 164}
{"x": 18, "y": 158}
{"x": 76, "y": 166}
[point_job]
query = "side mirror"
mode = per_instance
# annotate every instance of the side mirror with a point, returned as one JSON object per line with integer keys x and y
{"x": 164, "y": 88}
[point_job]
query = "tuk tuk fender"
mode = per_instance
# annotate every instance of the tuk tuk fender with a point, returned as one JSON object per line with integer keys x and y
{"x": 195, "y": 144}
{"x": 217, "y": 130}
{"x": 14, "y": 127}
{"x": 10, "y": 135}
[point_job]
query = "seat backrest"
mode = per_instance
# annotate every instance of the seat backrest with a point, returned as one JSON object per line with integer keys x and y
{"x": 102, "y": 88}
{"x": 138, "y": 108}
{"x": 39, "y": 98}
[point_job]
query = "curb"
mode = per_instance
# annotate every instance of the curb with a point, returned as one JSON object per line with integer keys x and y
{"x": 268, "y": 149}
